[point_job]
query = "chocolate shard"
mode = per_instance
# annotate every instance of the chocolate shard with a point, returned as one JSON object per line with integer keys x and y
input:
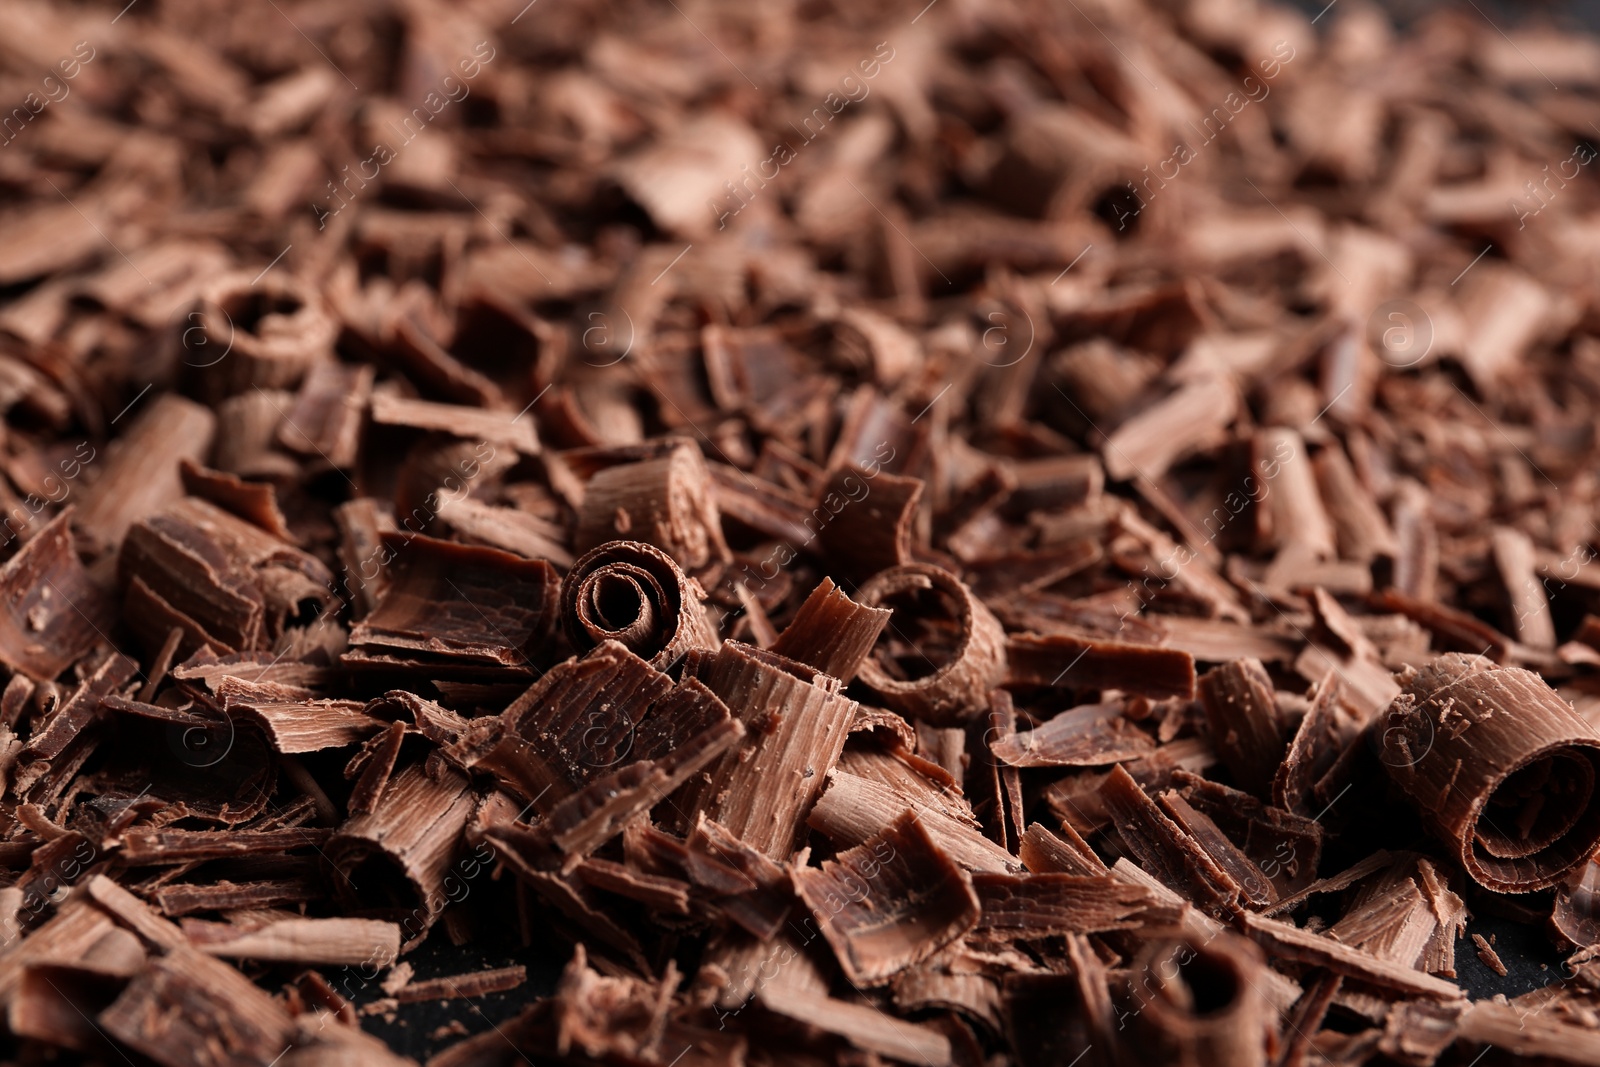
{"x": 372, "y": 768}
{"x": 1243, "y": 715}
{"x": 853, "y": 809}
{"x": 1090, "y": 663}
{"x": 184, "y": 846}
{"x": 476, "y": 609}
{"x": 178, "y": 900}
{"x": 511, "y": 529}
{"x": 1282, "y": 845}
{"x": 179, "y": 1006}
{"x": 337, "y": 942}
{"x": 573, "y": 725}
{"x": 1283, "y": 940}
{"x": 293, "y": 726}
{"x": 1255, "y": 888}
{"x": 472, "y": 984}
{"x": 1043, "y": 852}
{"x": 1323, "y": 734}
{"x": 324, "y": 422}
{"x": 864, "y": 1027}
{"x": 889, "y": 902}
{"x": 1499, "y": 767}
{"x": 254, "y": 502}
{"x": 598, "y": 812}
{"x": 635, "y": 594}
{"x": 831, "y": 632}
{"x": 53, "y": 612}
{"x": 1027, "y": 572}
{"x": 457, "y": 420}
{"x": 72, "y": 715}
{"x": 945, "y": 652}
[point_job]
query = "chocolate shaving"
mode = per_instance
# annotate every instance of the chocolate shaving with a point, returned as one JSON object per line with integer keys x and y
{"x": 633, "y": 593}
{"x": 831, "y": 632}
{"x": 473, "y": 984}
{"x": 1087, "y": 736}
{"x": 474, "y": 609}
{"x": 225, "y": 581}
{"x": 1163, "y": 847}
{"x": 53, "y": 612}
{"x": 796, "y": 723}
{"x": 863, "y": 522}
{"x": 1200, "y": 1004}
{"x": 141, "y": 474}
{"x": 666, "y": 501}
{"x": 1089, "y": 663}
{"x": 889, "y": 902}
{"x": 951, "y": 684}
{"x": 394, "y": 861}
{"x": 1499, "y": 768}
{"x": 1243, "y": 716}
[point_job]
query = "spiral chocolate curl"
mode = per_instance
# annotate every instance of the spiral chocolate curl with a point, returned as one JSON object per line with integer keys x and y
{"x": 1500, "y": 768}
{"x": 957, "y": 687}
{"x": 245, "y": 333}
{"x": 1199, "y": 1005}
{"x": 633, "y": 593}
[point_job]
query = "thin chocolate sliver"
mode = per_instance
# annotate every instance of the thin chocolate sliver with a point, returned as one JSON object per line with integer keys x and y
{"x": 1090, "y": 663}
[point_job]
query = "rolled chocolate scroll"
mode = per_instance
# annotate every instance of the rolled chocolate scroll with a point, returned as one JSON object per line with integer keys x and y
{"x": 941, "y": 670}
{"x": 1499, "y": 767}
{"x": 264, "y": 334}
{"x": 633, "y": 593}
{"x": 1198, "y": 1005}
{"x": 397, "y": 862}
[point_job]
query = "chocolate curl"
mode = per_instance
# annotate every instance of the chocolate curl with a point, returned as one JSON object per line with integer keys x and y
{"x": 634, "y": 594}
{"x": 957, "y": 687}
{"x": 396, "y": 862}
{"x": 1499, "y": 767}
{"x": 1200, "y": 1005}
{"x": 245, "y": 333}
{"x": 667, "y": 501}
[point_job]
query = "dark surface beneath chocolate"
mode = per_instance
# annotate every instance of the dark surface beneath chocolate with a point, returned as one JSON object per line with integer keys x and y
{"x": 412, "y": 1031}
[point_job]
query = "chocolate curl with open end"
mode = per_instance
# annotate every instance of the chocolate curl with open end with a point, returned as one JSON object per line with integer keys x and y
{"x": 395, "y": 862}
{"x": 634, "y": 594}
{"x": 245, "y": 333}
{"x": 1499, "y": 767}
{"x": 666, "y": 501}
{"x": 945, "y": 672}
{"x": 1200, "y": 1005}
